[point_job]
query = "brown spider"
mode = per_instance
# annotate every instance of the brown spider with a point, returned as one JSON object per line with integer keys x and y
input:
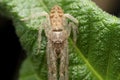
{"x": 57, "y": 29}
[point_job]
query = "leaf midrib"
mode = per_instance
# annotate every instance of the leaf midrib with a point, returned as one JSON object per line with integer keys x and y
{"x": 85, "y": 60}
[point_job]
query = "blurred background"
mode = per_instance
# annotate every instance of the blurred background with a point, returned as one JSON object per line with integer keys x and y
{"x": 12, "y": 51}
{"x": 110, "y": 6}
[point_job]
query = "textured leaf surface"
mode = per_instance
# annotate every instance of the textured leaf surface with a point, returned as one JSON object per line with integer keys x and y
{"x": 97, "y": 53}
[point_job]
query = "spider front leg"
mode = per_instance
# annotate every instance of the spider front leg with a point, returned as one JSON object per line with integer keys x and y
{"x": 71, "y": 18}
{"x": 74, "y": 30}
{"x": 36, "y": 15}
{"x": 46, "y": 26}
{"x": 73, "y": 26}
{"x": 43, "y": 26}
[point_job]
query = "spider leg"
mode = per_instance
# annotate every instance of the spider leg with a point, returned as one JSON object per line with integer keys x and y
{"x": 51, "y": 55}
{"x": 63, "y": 71}
{"x": 53, "y": 65}
{"x": 48, "y": 60}
{"x": 51, "y": 61}
{"x": 43, "y": 26}
{"x": 47, "y": 26}
{"x": 67, "y": 27}
{"x": 66, "y": 61}
{"x": 39, "y": 39}
{"x": 71, "y": 18}
{"x": 72, "y": 25}
{"x": 62, "y": 66}
{"x": 36, "y": 15}
{"x": 74, "y": 30}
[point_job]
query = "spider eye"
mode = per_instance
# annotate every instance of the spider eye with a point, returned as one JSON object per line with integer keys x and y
{"x": 51, "y": 15}
{"x": 60, "y": 15}
{"x": 52, "y": 11}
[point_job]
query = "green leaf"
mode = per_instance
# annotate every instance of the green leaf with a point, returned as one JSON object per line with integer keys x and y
{"x": 27, "y": 71}
{"x": 97, "y": 53}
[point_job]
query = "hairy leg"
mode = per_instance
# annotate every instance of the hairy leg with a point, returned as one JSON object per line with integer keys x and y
{"x": 74, "y": 30}
{"x": 39, "y": 39}
{"x": 51, "y": 61}
{"x": 54, "y": 66}
{"x": 63, "y": 71}
{"x": 44, "y": 25}
{"x": 71, "y": 18}
{"x": 48, "y": 61}
{"x": 62, "y": 66}
{"x": 72, "y": 25}
{"x": 35, "y": 15}
{"x": 66, "y": 61}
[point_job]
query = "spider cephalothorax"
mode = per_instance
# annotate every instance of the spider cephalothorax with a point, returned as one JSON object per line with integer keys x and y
{"x": 56, "y": 17}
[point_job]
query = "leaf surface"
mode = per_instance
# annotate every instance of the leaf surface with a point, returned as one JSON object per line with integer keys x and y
{"x": 96, "y": 56}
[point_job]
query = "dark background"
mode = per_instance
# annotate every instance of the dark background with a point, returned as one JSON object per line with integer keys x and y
{"x": 110, "y": 6}
{"x": 11, "y": 52}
